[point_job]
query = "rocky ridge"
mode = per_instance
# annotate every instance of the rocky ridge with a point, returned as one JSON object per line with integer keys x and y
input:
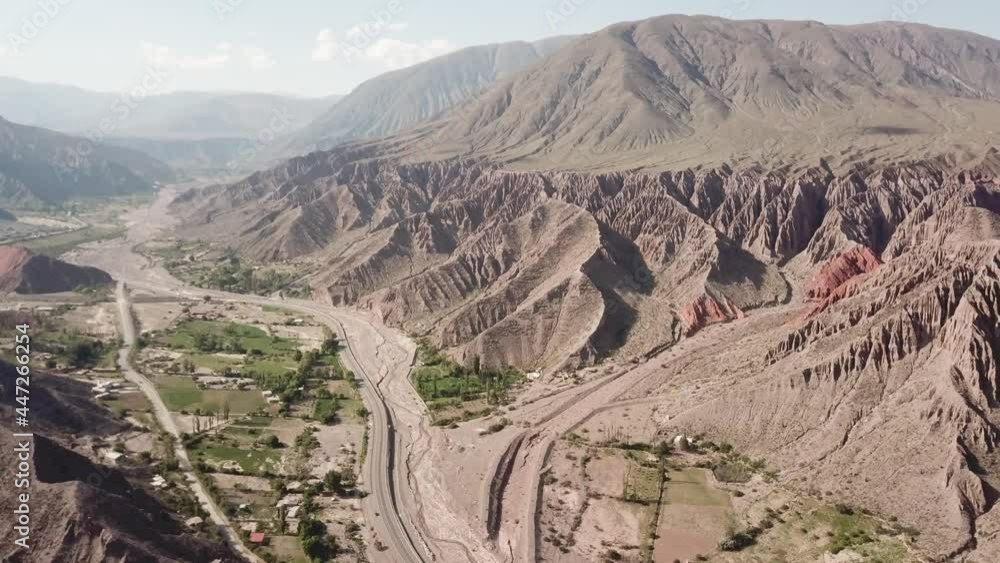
{"x": 21, "y": 271}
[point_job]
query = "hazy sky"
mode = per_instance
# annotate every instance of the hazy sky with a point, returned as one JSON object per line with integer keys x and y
{"x": 320, "y": 47}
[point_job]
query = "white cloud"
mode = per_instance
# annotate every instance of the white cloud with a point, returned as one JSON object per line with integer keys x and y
{"x": 224, "y": 53}
{"x": 326, "y": 48}
{"x": 364, "y": 42}
{"x": 3, "y": 51}
{"x": 393, "y": 53}
{"x": 257, "y": 58}
{"x": 162, "y": 55}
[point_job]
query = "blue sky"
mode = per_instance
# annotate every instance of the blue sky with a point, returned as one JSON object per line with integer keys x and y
{"x": 320, "y": 47}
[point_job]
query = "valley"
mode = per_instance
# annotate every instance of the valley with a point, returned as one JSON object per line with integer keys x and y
{"x": 673, "y": 289}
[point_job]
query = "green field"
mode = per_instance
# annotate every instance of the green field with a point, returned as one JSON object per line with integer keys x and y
{"x": 182, "y": 393}
{"x": 446, "y": 381}
{"x": 642, "y": 484}
{"x": 216, "y": 363}
{"x": 253, "y": 462}
{"x": 271, "y": 367}
{"x": 56, "y": 245}
{"x": 206, "y": 341}
{"x": 690, "y": 486}
{"x": 349, "y": 403}
{"x": 256, "y": 421}
{"x": 186, "y": 333}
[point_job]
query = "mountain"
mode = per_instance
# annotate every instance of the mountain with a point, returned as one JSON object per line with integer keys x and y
{"x": 176, "y": 115}
{"x": 833, "y": 188}
{"x": 24, "y": 272}
{"x": 403, "y": 98}
{"x": 83, "y": 511}
{"x": 39, "y": 167}
{"x": 198, "y": 132}
{"x": 675, "y": 92}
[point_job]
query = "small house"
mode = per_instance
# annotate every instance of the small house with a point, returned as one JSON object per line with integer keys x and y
{"x": 258, "y": 538}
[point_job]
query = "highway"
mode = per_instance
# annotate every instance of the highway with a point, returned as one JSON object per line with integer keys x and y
{"x": 367, "y": 353}
{"x": 381, "y": 507}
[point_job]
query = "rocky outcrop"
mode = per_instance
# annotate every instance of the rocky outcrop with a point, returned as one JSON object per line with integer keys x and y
{"x": 81, "y": 510}
{"x": 707, "y": 310}
{"x": 24, "y": 272}
{"x": 461, "y": 251}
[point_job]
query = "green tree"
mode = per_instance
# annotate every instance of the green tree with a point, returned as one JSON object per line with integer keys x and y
{"x": 82, "y": 354}
{"x": 331, "y": 344}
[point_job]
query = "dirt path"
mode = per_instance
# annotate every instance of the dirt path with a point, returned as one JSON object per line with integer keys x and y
{"x": 166, "y": 421}
{"x": 554, "y": 416}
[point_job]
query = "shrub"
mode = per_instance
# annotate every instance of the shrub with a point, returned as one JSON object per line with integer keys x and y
{"x": 728, "y": 472}
{"x": 736, "y": 542}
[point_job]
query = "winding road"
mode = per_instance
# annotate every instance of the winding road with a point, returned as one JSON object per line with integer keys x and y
{"x": 409, "y": 508}
{"x": 397, "y": 541}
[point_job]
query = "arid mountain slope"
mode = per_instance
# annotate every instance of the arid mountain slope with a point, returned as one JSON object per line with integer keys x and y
{"x": 40, "y": 167}
{"x": 892, "y": 270}
{"x": 403, "y": 98}
{"x": 659, "y": 177}
{"x": 463, "y": 252}
{"x": 24, "y": 272}
{"x": 885, "y": 393}
{"x": 464, "y": 247}
{"x": 678, "y": 91}
{"x": 82, "y": 511}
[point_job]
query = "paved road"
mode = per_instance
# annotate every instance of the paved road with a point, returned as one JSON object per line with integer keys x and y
{"x": 129, "y": 337}
{"x": 399, "y": 543}
{"x": 383, "y": 471}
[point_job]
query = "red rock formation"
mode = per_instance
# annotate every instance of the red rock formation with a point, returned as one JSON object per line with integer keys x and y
{"x": 707, "y": 310}
{"x": 841, "y": 269}
{"x": 24, "y": 272}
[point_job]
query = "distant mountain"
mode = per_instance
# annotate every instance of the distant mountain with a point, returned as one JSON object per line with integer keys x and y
{"x": 682, "y": 91}
{"x": 399, "y": 99}
{"x": 39, "y": 167}
{"x": 24, "y": 272}
{"x": 179, "y": 115}
{"x": 197, "y": 157}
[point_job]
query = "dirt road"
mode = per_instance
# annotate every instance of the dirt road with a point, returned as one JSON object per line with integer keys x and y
{"x": 166, "y": 421}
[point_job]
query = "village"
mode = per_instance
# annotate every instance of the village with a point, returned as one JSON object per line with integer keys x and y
{"x": 271, "y": 420}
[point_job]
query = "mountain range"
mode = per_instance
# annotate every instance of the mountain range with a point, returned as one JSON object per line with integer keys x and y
{"x": 403, "y": 98}
{"x": 175, "y": 115}
{"x": 643, "y": 183}
{"x": 39, "y": 167}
